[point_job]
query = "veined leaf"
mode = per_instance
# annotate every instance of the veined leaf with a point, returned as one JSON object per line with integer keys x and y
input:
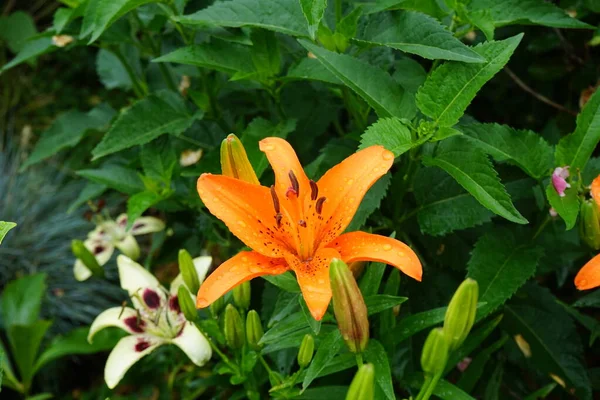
{"x": 444, "y": 389}
{"x": 32, "y": 48}
{"x": 328, "y": 348}
{"x": 146, "y": 120}
{"x": 451, "y": 87}
{"x": 576, "y": 149}
{"x": 567, "y": 206}
{"x": 373, "y": 84}
{"x": 376, "y": 355}
{"x": 68, "y": 130}
{"x": 140, "y": 202}
{"x": 4, "y": 228}
{"x": 474, "y": 171}
{"x": 501, "y": 264}
{"x": 313, "y": 10}
{"x": 370, "y": 202}
{"x": 526, "y": 149}
{"x": 390, "y": 133}
{"x": 528, "y": 12}
{"x": 114, "y": 176}
{"x": 409, "y": 74}
{"x": 311, "y": 69}
{"x": 381, "y": 302}
{"x": 283, "y": 16}
{"x": 416, "y": 33}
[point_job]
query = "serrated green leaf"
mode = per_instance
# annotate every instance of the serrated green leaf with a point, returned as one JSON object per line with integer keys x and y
{"x": 474, "y": 171}
{"x": 409, "y": 74}
{"x": 373, "y": 84}
{"x": 376, "y": 355}
{"x": 32, "y": 48}
{"x": 576, "y": 149}
{"x": 123, "y": 179}
{"x": 219, "y": 55}
{"x": 140, "y": 202}
{"x": 328, "y": 348}
{"x": 16, "y": 29}
{"x": 112, "y": 72}
{"x": 311, "y": 69}
{"x": 4, "y": 228}
{"x": 567, "y": 206}
{"x": 313, "y": 10}
{"x": 416, "y": 33}
{"x": 451, "y": 87}
{"x": 526, "y": 149}
{"x": 158, "y": 161}
{"x": 390, "y": 133}
{"x": 265, "y": 54}
{"x": 370, "y": 203}
{"x": 501, "y": 264}
{"x": 283, "y": 16}
{"x": 67, "y": 131}
{"x": 146, "y": 120}
{"x": 528, "y": 12}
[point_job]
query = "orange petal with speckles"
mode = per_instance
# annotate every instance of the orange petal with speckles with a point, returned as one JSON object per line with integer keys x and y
{"x": 588, "y": 277}
{"x": 238, "y": 269}
{"x": 344, "y": 187}
{"x": 361, "y": 246}
{"x": 313, "y": 278}
{"x": 596, "y": 190}
{"x": 248, "y": 212}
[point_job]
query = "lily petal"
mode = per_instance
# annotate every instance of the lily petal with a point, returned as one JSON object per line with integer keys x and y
{"x": 238, "y": 269}
{"x": 313, "y": 278}
{"x": 127, "y": 352}
{"x": 345, "y": 185}
{"x": 134, "y": 277}
{"x": 194, "y": 344}
{"x": 101, "y": 249}
{"x": 80, "y": 271}
{"x": 145, "y": 225}
{"x": 248, "y": 212}
{"x": 362, "y": 246}
{"x": 596, "y": 190}
{"x": 201, "y": 264}
{"x": 129, "y": 246}
{"x": 121, "y": 317}
{"x": 588, "y": 277}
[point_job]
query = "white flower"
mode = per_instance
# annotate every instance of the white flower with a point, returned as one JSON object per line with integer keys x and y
{"x": 101, "y": 242}
{"x": 155, "y": 320}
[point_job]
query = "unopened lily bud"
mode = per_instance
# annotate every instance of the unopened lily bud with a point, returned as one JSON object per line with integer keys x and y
{"x": 241, "y": 295}
{"x": 589, "y": 225}
{"x": 234, "y": 328}
{"x": 435, "y": 353}
{"x": 234, "y": 160}
{"x": 188, "y": 271}
{"x": 186, "y": 304}
{"x": 305, "y": 353}
{"x": 460, "y": 315}
{"x": 217, "y": 306}
{"x": 87, "y": 258}
{"x": 363, "y": 384}
{"x": 254, "y": 329}
{"x": 349, "y": 306}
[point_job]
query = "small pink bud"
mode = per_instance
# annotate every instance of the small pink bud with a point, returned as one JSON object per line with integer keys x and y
{"x": 553, "y": 212}
{"x": 559, "y": 180}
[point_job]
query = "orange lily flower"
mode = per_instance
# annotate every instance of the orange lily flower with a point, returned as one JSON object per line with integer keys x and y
{"x": 588, "y": 277}
{"x": 298, "y": 224}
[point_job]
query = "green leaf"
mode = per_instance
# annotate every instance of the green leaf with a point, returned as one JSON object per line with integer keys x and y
{"x": 22, "y": 300}
{"x": 158, "y": 161}
{"x": 528, "y": 12}
{"x": 4, "y": 228}
{"x": 501, "y": 263}
{"x": 376, "y": 355}
{"x": 25, "y": 341}
{"x": 265, "y": 55}
{"x": 526, "y": 149}
{"x": 288, "y": 326}
{"x": 371, "y": 279}
{"x": 328, "y": 348}
{"x": 123, "y": 179}
{"x": 409, "y": 74}
{"x": 285, "y": 281}
{"x": 311, "y": 69}
{"x": 146, "y": 120}
{"x": 89, "y": 192}
{"x": 100, "y": 14}
{"x": 576, "y": 149}
{"x": 415, "y": 323}
{"x": 16, "y": 29}
{"x": 390, "y": 133}
{"x": 416, "y": 33}
{"x": 567, "y": 206}
{"x": 589, "y": 300}
{"x": 67, "y": 131}
{"x": 474, "y": 171}
{"x": 451, "y": 87}
{"x": 444, "y": 389}
{"x": 283, "y": 16}
{"x": 313, "y": 10}
{"x": 310, "y": 321}
{"x": 112, "y": 72}
{"x": 219, "y": 55}
{"x": 140, "y": 202}
{"x": 370, "y": 202}
{"x": 324, "y": 392}
{"x": 373, "y": 84}
{"x": 379, "y": 302}
{"x": 32, "y": 49}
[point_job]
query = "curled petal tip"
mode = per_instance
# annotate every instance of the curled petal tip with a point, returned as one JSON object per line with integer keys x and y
{"x": 201, "y": 302}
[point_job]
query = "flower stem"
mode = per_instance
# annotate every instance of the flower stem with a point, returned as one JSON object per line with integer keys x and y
{"x": 428, "y": 387}
{"x": 359, "y": 360}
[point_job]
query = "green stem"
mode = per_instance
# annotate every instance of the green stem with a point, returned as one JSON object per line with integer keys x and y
{"x": 359, "y": 360}
{"x": 216, "y": 349}
{"x": 140, "y": 88}
{"x": 265, "y": 364}
{"x": 428, "y": 387}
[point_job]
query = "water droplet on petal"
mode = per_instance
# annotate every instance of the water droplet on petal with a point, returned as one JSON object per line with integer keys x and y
{"x": 241, "y": 223}
{"x": 387, "y": 246}
{"x": 269, "y": 147}
{"x": 387, "y": 155}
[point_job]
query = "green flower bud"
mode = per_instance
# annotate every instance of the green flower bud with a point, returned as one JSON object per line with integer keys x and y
{"x": 307, "y": 348}
{"x": 362, "y": 386}
{"x": 589, "y": 225}
{"x": 241, "y": 295}
{"x": 254, "y": 330}
{"x": 186, "y": 304}
{"x": 234, "y": 328}
{"x": 349, "y": 307}
{"x": 188, "y": 271}
{"x": 460, "y": 315}
{"x": 87, "y": 258}
{"x": 217, "y": 306}
{"x": 435, "y": 353}
{"x": 234, "y": 160}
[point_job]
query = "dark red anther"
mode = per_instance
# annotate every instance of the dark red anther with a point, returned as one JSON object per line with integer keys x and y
{"x": 294, "y": 181}
{"x": 278, "y": 217}
{"x": 135, "y": 324}
{"x": 275, "y": 200}
{"x": 302, "y": 223}
{"x": 314, "y": 190}
{"x": 319, "y": 205}
{"x": 174, "y": 304}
